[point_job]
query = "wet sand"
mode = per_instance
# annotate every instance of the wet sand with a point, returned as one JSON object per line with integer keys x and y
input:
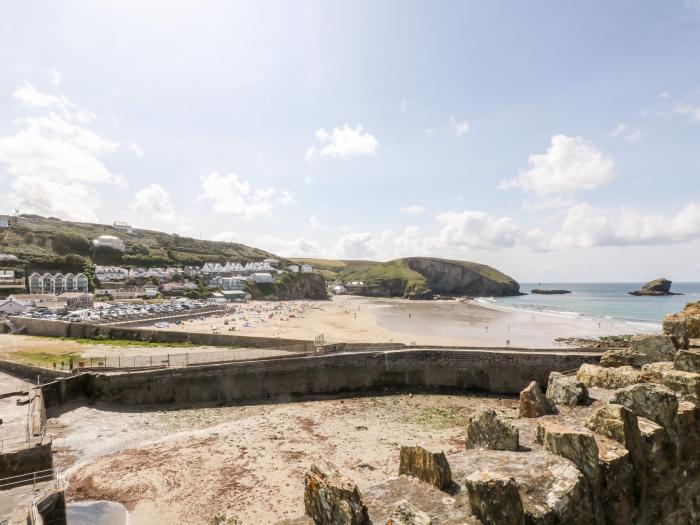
{"x": 368, "y": 320}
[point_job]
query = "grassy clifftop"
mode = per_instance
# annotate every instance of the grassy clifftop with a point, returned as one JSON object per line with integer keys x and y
{"x": 419, "y": 277}
{"x": 50, "y": 243}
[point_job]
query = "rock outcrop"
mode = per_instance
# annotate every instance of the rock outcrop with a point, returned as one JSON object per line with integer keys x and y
{"x": 656, "y": 287}
{"x": 598, "y": 376}
{"x": 624, "y": 357}
{"x": 686, "y": 385}
{"x": 404, "y": 513}
{"x": 655, "y": 347}
{"x": 430, "y": 467}
{"x": 687, "y": 360}
{"x": 486, "y": 429}
{"x": 652, "y": 401}
{"x": 683, "y": 326}
{"x": 533, "y": 402}
{"x": 578, "y": 447}
{"x": 494, "y": 499}
{"x": 332, "y": 499}
{"x": 566, "y": 391}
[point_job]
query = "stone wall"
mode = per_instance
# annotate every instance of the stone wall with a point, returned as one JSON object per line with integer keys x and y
{"x": 47, "y": 327}
{"x": 30, "y": 372}
{"x": 63, "y": 390}
{"x": 27, "y": 460}
{"x": 498, "y": 372}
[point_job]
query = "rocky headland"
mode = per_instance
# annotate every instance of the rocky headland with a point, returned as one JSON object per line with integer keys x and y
{"x": 656, "y": 287}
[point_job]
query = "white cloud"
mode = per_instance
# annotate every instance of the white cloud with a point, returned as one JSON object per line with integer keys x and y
{"x": 294, "y": 248}
{"x": 54, "y": 148}
{"x": 586, "y": 226}
{"x": 665, "y": 95}
{"x": 461, "y": 127}
{"x": 232, "y": 196}
{"x": 225, "y": 236}
{"x": 136, "y": 149}
{"x": 627, "y": 133}
{"x": 154, "y": 203}
{"x": 692, "y": 110}
{"x": 692, "y": 4}
{"x": 357, "y": 246}
{"x": 404, "y": 105}
{"x": 570, "y": 164}
{"x": 479, "y": 230}
{"x": 414, "y": 210}
{"x": 345, "y": 142}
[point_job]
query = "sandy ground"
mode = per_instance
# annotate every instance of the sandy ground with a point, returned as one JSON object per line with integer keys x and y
{"x": 184, "y": 466}
{"x": 49, "y": 345}
{"x": 361, "y": 319}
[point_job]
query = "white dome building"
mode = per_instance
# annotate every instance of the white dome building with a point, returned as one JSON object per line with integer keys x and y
{"x": 109, "y": 241}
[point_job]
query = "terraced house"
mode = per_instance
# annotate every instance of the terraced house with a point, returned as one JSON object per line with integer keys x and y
{"x": 57, "y": 283}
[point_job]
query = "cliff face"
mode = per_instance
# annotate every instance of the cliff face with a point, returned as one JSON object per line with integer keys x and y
{"x": 291, "y": 286}
{"x": 446, "y": 277}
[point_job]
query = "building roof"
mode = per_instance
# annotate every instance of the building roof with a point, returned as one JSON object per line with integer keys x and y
{"x": 30, "y": 296}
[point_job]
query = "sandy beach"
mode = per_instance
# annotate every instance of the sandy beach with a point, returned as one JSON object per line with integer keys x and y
{"x": 368, "y": 320}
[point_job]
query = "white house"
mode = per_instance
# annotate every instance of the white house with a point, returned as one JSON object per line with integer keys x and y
{"x": 293, "y": 268}
{"x": 11, "y": 307}
{"x": 233, "y": 283}
{"x": 261, "y": 277}
{"x": 111, "y": 273}
{"x": 7, "y": 275}
{"x": 306, "y": 268}
{"x": 123, "y": 227}
{"x": 109, "y": 241}
{"x": 7, "y": 222}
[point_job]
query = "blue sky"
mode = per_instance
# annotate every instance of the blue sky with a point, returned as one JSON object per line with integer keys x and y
{"x": 553, "y": 140}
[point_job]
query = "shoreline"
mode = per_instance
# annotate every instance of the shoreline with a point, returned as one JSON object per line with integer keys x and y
{"x": 448, "y": 322}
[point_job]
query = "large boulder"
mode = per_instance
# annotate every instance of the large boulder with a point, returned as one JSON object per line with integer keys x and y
{"x": 687, "y": 360}
{"x": 494, "y": 499}
{"x": 533, "y": 402}
{"x": 578, "y": 447}
{"x": 655, "y": 347}
{"x": 598, "y": 376}
{"x": 404, "y": 513}
{"x": 655, "y": 402}
{"x": 332, "y": 499}
{"x": 620, "y": 424}
{"x": 430, "y": 467}
{"x": 487, "y": 429}
{"x": 624, "y": 357}
{"x": 684, "y": 384}
{"x": 566, "y": 390}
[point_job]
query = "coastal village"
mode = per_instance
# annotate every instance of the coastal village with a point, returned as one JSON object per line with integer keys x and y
{"x": 56, "y": 294}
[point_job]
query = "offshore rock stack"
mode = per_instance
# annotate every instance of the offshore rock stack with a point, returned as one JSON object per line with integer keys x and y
{"x": 616, "y": 444}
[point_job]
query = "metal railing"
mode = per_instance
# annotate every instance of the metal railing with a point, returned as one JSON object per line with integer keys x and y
{"x": 11, "y": 443}
{"x": 28, "y": 481}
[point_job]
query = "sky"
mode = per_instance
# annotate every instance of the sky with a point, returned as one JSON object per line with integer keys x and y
{"x": 556, "y": 141}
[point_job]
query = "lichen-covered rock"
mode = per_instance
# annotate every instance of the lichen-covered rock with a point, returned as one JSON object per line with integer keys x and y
{"x": 655, "y": 347}
{"x": 624, "y": 357}
{"x": 565, "y": 390}
{"x": 687, "y": 360}
{"x": 404, "y": 513}
{"x": 224, "y": 518}
{"x": 655, "y": 402}
{"x": 598, "y": 376}
{"x": 332, "y": 499}
{"x": 430, "y": 467}
{"x": 494, "y": 499}
{"x": 487, "y": 429}
{"x": 619, "y": 423}
{"x": 618, "y": 492}
{"x": 533, "y": 402}
{"x": 684, "y": 384}
{"x": 578, "y": 447}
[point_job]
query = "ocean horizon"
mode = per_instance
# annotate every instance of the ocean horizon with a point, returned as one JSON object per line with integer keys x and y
{"x": 606, "y": 301}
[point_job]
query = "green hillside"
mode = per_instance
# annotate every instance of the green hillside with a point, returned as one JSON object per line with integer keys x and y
{"x": 51, "y": 243}
{"x": 419, "y": 277}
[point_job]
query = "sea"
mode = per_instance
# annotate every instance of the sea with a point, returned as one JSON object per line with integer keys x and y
{"x": 609, "y": 301}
